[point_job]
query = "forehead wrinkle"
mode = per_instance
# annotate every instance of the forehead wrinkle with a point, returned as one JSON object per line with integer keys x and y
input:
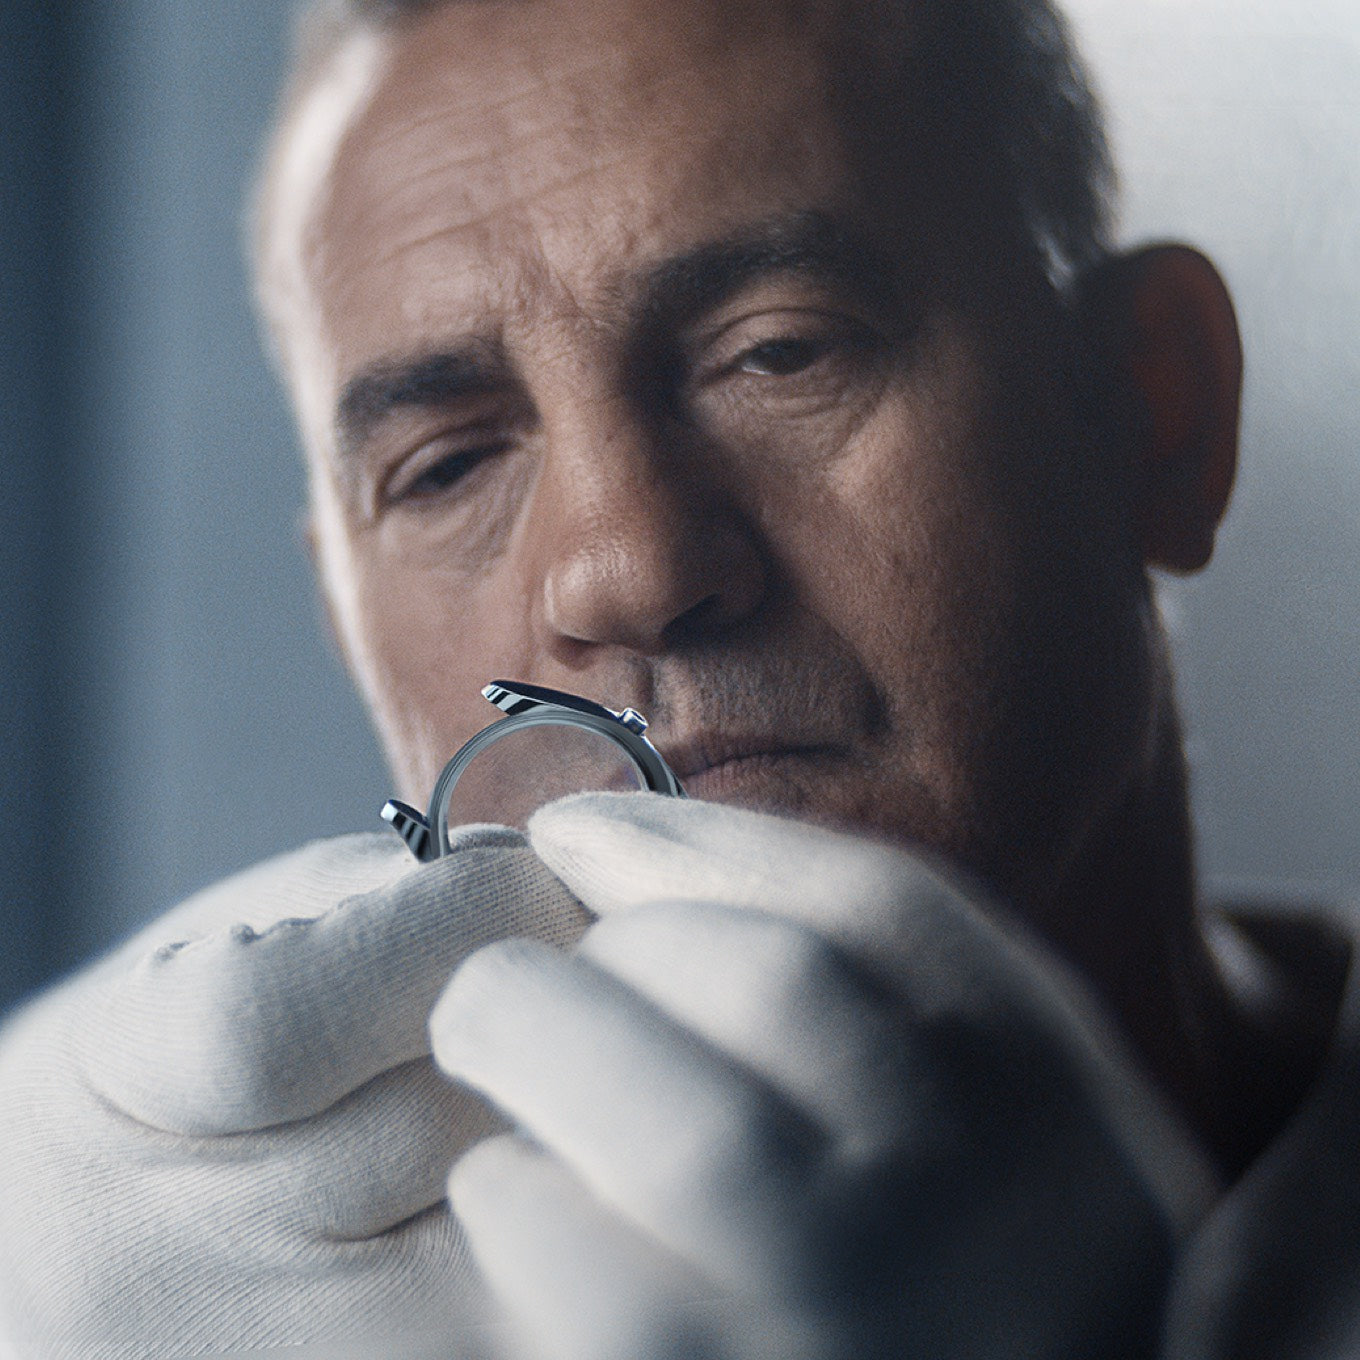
{"x": 371, "y": 207}
{"x": 439, "y": 172}
{"x": 641, "y": 74}
{"x": 563, "y": 101}
{"x": 445, "y": 101}
{"x": 473, "y": 223}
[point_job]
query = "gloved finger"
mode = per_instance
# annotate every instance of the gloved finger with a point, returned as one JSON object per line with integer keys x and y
{"x": 307, "y": 1230}
{"x": 920, "y": 928}
{"x": 242, "y": 1028}
{"x": 943, "y": 952}
{"x": 683, "y": 1142}
{"x": 374, "y": 1161}
{"x": 580, "y": 1283}
{"x": 782, "y": 1000}
{"x": 575, "y": 1282}
{"x": 616, "y": 851}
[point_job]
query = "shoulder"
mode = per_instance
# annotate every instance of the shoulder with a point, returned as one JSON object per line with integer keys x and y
{"x": 1272, "y": 1270}
{"x": 1290, "y": 963}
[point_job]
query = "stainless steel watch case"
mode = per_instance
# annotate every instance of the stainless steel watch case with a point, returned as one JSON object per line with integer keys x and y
{"x": 528, "y": 705}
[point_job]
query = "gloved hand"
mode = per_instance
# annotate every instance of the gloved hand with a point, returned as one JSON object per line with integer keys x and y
{"x": 229, "y": 1134}
{"x": 797, "y": 1096}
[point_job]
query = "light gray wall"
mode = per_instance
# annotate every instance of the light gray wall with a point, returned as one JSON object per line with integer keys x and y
{"x": 165, "y": 680}
{"x": 1237, "y": 126}
{"x": 167, "y": 687}
{"x": 28, "y": 403}
{"x": 219, "y": 727}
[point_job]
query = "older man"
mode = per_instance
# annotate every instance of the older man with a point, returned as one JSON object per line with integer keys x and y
{"x": 766, "y": 367}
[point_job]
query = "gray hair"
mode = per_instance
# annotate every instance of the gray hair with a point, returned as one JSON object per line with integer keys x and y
{"x": 1014, "y": 102}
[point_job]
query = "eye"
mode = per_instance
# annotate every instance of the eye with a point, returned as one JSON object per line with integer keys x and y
{"x": 787, "y": 381}
{"x": 812, "y": 346}
{"x": 784, "y": 356}
{"x": 435, "y": 476}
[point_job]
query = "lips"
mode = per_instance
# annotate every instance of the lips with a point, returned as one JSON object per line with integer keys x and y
{"x": 710, "y": 756}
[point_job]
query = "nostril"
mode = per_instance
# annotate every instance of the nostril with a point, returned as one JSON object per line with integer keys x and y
{"x": 656, "y": 580}
{"x": 711, "y": 615}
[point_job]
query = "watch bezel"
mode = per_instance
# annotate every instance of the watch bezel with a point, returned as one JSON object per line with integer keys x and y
{"x": 526, "y": 705}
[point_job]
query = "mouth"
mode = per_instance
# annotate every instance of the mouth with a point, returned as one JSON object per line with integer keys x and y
{"x": 720, "y": 767}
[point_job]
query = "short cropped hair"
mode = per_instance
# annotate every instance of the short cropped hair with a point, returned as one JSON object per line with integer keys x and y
{"x": 1011, "y": 95}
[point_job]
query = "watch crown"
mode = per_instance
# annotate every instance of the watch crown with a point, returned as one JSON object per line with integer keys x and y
{"x": 633, "y": 721}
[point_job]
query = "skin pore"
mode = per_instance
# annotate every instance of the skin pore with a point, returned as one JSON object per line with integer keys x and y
{"x": 635, "y": 358}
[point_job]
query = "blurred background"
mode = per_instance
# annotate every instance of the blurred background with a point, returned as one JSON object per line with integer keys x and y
{"x": 170, "y": 706}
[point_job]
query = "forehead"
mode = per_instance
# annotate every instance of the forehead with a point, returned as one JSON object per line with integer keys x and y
{"x": 507, "y": 145}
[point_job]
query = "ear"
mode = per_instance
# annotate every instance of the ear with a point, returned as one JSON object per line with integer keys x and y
{"x": 1165, "y": 322}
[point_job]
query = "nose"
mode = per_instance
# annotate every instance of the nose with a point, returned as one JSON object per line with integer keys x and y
{"x": 643, "y": 546}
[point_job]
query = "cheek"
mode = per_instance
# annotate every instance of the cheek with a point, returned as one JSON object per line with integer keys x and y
{"x": 426, "y": 643}
{"x": 939, "y": 578}
{"x": 906, "y": 552}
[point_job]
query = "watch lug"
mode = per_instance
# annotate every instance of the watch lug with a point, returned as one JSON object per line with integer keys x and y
{"x": 412, "y": 827}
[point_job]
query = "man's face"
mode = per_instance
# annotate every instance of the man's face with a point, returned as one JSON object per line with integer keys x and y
{"x": 645, "y": 353}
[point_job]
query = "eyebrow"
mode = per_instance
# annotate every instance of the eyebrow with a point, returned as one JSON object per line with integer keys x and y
{"x": 420, "y": 382}
{"x": 671, "y": 293}
{"x": 811, "y": 244}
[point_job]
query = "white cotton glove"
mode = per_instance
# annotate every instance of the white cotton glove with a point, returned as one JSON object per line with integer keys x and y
{"x": 796, "y": 1096}
{"x": 230, "y": 1135}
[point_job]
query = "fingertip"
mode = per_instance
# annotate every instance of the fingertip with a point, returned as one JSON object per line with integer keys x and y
{"x": 652, "y": 929}
{"x": 484, "y": 835}
{"x": 659, "y": 819}
{"x": 591, "y": 806}
{"x": 475, "y": 994}
{"x": 603, "y": 845}
{"x": 476, "y": 1179}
